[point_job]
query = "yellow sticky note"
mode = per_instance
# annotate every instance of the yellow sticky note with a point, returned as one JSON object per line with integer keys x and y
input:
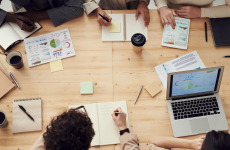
{"x": 56, "y": 65}
{"x": 115, "y": 27}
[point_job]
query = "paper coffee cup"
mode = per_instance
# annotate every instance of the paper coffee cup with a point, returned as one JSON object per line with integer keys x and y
{"x": 138, "y": 40}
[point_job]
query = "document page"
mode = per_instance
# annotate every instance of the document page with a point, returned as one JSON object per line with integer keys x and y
{"x": 49, "y": 47}
{"x": 135, "y": 26}
{"x": 92, "y": 113}
{"x": 178, "y": 37}
{"x": 109, "y": 133}
{"x": 189, "y": 61}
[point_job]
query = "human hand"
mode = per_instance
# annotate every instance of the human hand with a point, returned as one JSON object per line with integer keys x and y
{"x": 33, "y": 15}
{"x": 144, "y": 11}
{"x": 197, "y": 143}
{"x": 189, "y": 12}
{"x": 100, "y": 20}
{"x": 167, "y": 16}
{"x": 24, "y": 26}
{"x": 119, "y": 119}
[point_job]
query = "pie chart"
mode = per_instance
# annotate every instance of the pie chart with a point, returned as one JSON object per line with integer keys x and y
{"x": 55, "y": 43}
{"x": 188, "y": 85}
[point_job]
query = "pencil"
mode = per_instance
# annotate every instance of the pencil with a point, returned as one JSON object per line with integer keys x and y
{"x": 119, "y": 112}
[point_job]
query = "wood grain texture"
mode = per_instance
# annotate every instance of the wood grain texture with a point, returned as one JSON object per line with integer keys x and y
{"x": 117, "y": 73}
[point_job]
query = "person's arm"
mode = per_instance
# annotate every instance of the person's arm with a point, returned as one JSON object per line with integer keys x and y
{"x": 39, "y": 144}
{"x": 217, "y": 11}
{"x": 2, "y": 16}
{"x": 90, "y": 6}
{"x": 144, "y": 11}
{"x": 128, "y": 141}
{"x": 166, "y": 14}
{"x": 160, "y": 3}
{"x": 170, "y": 142}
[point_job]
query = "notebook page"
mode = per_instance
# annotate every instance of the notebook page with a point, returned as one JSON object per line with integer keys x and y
{"x": 8, "y": 35}
{"x": 135, "y": 26}
{"x": 92, "y": 113}
{"x": 109, "y": 133}
{"x": 108, "y": 36}
{"x": 24, "y": 34}
{"x": 21, "y": 122}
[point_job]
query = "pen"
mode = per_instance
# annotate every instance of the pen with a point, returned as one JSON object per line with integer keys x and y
{"x": 119, "y": 112}
{"x": 104, "y": 17}
{"x": 11, "y": 75}
{"x": 138, "y": 94}
{"x": 30, "y": 25}
{"x": 226, "y": 56}
{"x": 23, "y": 109}
{"x": 205, "y": 25}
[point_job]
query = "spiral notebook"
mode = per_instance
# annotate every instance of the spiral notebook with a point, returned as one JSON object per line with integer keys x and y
{"x": 21, "y": 122}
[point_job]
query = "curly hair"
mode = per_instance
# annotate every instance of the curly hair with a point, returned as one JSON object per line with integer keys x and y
{"x": 72, "y": 130}
{"x": 216, "y": 140}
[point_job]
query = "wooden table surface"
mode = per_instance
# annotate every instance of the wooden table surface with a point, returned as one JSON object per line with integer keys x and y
{"x": 117, "y": 73}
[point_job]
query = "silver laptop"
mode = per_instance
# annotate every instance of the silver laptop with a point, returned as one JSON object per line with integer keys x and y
{"x": 193, "y": 101}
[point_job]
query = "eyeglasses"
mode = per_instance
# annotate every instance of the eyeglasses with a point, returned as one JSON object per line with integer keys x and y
{"x": 82, "y": 109}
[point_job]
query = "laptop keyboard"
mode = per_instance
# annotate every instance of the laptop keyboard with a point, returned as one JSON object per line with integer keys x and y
{"x": 195, "y": 108}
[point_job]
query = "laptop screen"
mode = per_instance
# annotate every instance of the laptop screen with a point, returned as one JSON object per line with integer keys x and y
{"x": 194, "y": 82}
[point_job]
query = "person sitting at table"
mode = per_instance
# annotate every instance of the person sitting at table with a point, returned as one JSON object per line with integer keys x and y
{"x": 214, "y": 140}
{"x": 73, "y": 130}
{"x": 190, "y": 9}
{"x": 59, "y": 11}
{"x": 91, "y": 6}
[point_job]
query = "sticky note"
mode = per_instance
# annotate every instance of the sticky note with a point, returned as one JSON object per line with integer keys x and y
{"x": 115, "y": 27}
{"x": 56, "y": 65}
{"x": 86, "y": 87}
{"x": 153, "y": 89}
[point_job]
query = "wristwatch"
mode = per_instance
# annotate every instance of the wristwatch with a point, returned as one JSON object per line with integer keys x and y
{"x": 123, "y": 131}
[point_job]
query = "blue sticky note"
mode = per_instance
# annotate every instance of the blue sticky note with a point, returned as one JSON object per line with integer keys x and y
{"x": 86, "y": 87}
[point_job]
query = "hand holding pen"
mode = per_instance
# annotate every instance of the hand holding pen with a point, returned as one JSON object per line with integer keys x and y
{"x": 25, "y": 23}
{"x": 102, "y": 17}
{"x": 119, "y": 118}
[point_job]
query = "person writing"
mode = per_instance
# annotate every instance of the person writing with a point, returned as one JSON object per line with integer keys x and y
{"x": 214, "y": 140}
{"x": 91, "y": 6}
{"x": 190, "y": 9}
{"x": 59, "y": 11}
{"x": 73, "y": 130}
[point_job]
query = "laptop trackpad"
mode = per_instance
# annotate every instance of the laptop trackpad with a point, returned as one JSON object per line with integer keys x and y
{"x": 199, "y": 125}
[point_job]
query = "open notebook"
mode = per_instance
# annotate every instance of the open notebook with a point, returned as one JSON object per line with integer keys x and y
{"x": 128, "y": 26}
{"x": 21, "y": 122}
{"x": 106, "y": 132}
{"x": 14, "y": 33}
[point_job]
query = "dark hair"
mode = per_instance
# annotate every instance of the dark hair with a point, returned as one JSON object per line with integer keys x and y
{"x": 216, "y": 140}
{"x": 72, "y": 130}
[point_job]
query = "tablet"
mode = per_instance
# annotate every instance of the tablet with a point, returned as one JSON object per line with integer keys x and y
{"x": 177, "y": 38}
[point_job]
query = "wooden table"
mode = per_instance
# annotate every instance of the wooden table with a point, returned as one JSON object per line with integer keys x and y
{"x": 117, "y": 73}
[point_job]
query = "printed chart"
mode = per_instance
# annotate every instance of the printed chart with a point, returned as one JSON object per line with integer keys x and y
{"x": 49, "y": 47}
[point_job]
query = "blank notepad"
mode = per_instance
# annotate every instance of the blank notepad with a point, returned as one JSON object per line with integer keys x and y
{"x": 21, "y": 122}
{"x": 153, "y": 89}
{"x": 86, "y": 87}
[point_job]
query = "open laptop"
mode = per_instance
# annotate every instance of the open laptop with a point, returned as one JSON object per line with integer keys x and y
{"x": 193, "y": 101}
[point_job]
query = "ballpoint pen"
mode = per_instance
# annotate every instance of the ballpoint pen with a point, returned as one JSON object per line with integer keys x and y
{"x": 11, "y": 75}
{"x": 226, "y": 56}
{"x": 138, "y": 94}
{"x": 23, "y": 109}
{"x": 120, "y": 112}
{"x": 104, "y": 18}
